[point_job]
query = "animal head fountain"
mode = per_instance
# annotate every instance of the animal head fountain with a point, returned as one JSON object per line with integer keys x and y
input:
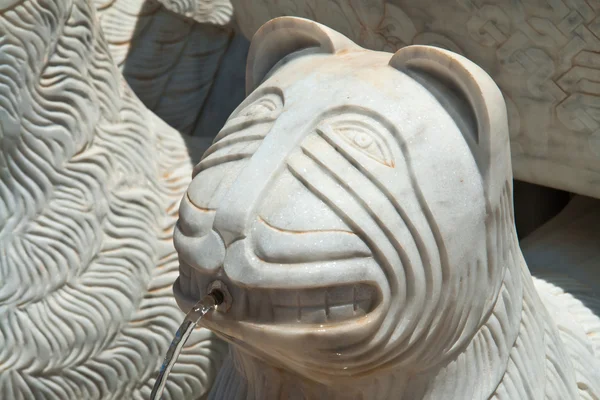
{"x": 357, "y": 206}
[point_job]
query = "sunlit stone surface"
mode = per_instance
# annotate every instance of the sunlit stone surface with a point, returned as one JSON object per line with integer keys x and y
{"x": 90, "y": 184}
{"x": 358, "y": 206}
{"x": 543, "y": 54}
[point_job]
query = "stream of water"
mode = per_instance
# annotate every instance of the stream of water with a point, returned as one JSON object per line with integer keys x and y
{"x": 200, "y": 309}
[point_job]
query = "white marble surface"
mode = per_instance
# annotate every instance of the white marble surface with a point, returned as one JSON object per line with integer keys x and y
{"x": 189, "y": 73}
{"x": 542, "y": 53}
{"x": 358, "y": 207}
{"x": 90, "y": 182}
{"x": 215, "y": 12}
{"x": 218, "y": 12}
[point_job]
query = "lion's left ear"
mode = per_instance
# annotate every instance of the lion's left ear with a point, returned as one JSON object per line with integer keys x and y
{"x": 286, "y": 35}
{"x": 490, "y": 146}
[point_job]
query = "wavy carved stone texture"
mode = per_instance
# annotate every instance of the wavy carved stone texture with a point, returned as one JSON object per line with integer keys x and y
{"x": 90, "y": 185}
{"x": 358, "y": 207}
{"x": 218, "y": 12}
{"x": 189, "y": 74}
{"x": 543, "y": 54}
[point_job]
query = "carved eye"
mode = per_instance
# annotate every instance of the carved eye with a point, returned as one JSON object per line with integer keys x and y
{"x": 257, "y": 109}
{"x": 269, "y": 105}
{"x": 252, "y": 121}
{"x": 363, "y": 138}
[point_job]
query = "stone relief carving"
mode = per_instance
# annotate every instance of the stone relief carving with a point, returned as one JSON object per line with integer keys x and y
{"x": 358, "y": 207}
{"x": 89, "y": 189}
{"x": 216, "y": 12}
{"x": 543, "y": 54}
{"x": 179, "y": 68}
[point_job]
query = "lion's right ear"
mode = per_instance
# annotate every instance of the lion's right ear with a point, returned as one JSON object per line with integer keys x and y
{"x": 490, "y": 147}
{"x": 283, "y": 36}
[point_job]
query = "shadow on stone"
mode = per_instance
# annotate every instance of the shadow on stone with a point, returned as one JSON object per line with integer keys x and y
{"x": 189, "y": 74}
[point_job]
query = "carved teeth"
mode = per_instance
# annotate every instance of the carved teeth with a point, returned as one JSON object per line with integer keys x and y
{"x": 285, "y": 314}
{"x": 313, "y": 315}
{"x": 266, "y": 309}
{"x": 340, "y": 313}
{"x": 254, "y": 302}
{"x": 320, "y": 305}
{"x": 312, "y": 297}
{"x": 287, "y": 306}
{"x": 340, "y": 295}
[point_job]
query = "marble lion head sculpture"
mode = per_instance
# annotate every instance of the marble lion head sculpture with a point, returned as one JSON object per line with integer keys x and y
{"x": 358, "y": 207}
{"x": 356, "y": 203}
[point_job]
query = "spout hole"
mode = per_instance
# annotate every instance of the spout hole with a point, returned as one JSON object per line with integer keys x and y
{"x": 218, "y": 295}
{"x": 221, "y": 296}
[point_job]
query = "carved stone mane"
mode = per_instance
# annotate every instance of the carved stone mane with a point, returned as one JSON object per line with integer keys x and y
{"x": 89, "y": 188}
{"x": 358, "y": 206}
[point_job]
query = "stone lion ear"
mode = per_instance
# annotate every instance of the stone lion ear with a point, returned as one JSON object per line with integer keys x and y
{"x": 490, "y": 146}
{"x": 283, "y": 36}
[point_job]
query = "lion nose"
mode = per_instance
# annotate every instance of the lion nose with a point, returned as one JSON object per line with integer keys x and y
{"x": 232, "y": 218}
{"x": 197, "y": 244}
{"x": 205, "y": 253}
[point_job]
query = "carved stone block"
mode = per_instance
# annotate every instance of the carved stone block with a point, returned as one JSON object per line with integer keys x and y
{"x": 543, "y": 54}
{"x": 90, "y": 183}
{"x": 187, "y": 72}
{"x": 358, "y": 207}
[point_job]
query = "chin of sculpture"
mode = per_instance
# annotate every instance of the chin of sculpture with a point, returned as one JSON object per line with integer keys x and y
{"x": 358, "y": 207}
{"x": 90, "y": 182}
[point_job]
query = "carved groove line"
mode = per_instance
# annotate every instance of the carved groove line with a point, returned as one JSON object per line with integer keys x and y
{"x": 165, "y": 56}
{"x": 82, "y": 274}
{"x": 388, "y": 234}
{"x": 243, "y": 133}
{"x": 418, "y": 239}
{"x": 216, "y": 12}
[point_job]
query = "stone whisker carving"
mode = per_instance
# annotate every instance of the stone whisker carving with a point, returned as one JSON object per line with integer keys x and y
{"x": 358, "y": 206}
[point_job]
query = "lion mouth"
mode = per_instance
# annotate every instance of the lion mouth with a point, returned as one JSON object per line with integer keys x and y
{"x": 317, "y": 305}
